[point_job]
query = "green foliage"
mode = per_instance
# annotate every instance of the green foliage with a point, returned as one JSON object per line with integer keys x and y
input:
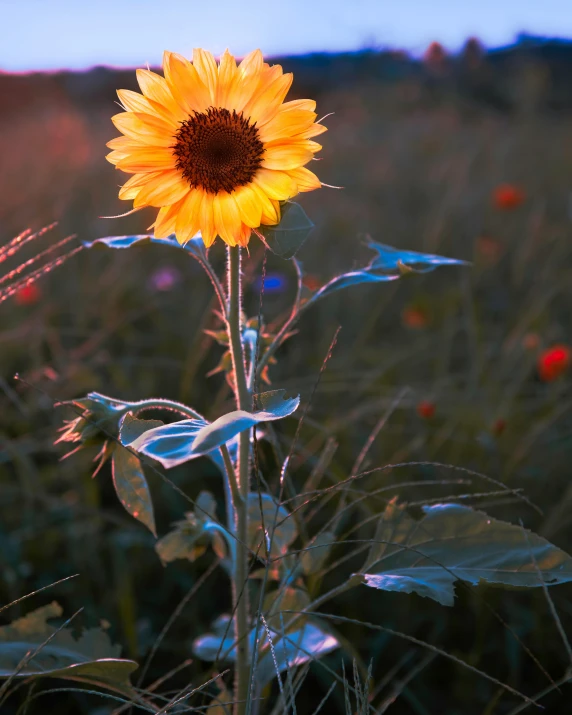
{"x": 191, "y": 537}
{"x": 452, "y": 542}
{"x": 397, "y": 261}
{"x": 286, "y": 237}
{"x": 31, "y": 647}
{"x": 195, "y": 246}
{"x": 270, "y": 406}
{"x": 388, "y": 265}
{"x": 128, "y": 475}
{"x": 179, "y": 442}
{"x": 173, "y": 444}
{"x": 278, "y": 650}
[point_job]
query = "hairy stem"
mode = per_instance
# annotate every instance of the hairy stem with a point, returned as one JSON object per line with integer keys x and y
{"x": 169, "y": 405}
{"x": 243, "y": 402}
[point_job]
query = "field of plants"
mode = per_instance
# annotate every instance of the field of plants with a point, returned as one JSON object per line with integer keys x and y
{"x": 453, "y": 387}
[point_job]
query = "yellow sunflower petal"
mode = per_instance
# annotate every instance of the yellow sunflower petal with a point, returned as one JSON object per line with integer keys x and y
{"x": 133, "y": 185}
{"x": 266, "y": 104}
{"x": 165, "y": 189}
{"x": 166, "y": 218}
{"x": 227, "y": 217}
{"x": 251, "y": 64}
{"x": 276, "y": 185}
{"x": 308, "y": 104}
{"x": 305, "y": 179}
{"x": 244, "y": 235}
{"x": 285, "y": 156}
{"x": 156, "y": 89}
{"x": 207, "y": 224}
{"x": 228, "y": 78}
{"x": 286, "y": 124}
{"x": 188, "y": 219}
{"x": 144, "y": 128}
{"x": 124, "y": 144}
{"x": 314, "y": 147}
{"x": 147, "y": 159}
{"x": 114, "y": 157}
{"x": 249, "y": 206}
{"x": 248, "y": 82}
{"x": 312, "y": 131}
{"x": 270, "y": 211}
{"x": 205, "y": 65}
{"x": 133, "y": 101}
{"x": 187, "y": 88}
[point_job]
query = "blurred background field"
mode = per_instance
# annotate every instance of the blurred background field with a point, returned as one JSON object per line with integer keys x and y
{"x": 468, "y": 156}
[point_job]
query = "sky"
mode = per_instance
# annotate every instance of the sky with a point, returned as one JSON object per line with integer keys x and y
{"x": 55, "y": 34}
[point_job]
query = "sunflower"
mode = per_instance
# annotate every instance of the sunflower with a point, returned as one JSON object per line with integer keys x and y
{"x": 214, "y": 147}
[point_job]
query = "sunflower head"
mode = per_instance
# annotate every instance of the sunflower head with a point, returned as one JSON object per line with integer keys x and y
{"x": 214, "y": 146}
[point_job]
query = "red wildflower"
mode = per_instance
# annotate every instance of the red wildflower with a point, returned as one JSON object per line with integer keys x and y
{"x": 554, "y": 362}
{"x": 413, "y": 317}
{"x": 426, "y": 409}
{"x": 28, "y": 295}
{"x": 507, "y": 197}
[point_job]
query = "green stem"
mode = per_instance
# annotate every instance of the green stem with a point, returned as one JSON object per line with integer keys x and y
{"x": 243, "y": 402}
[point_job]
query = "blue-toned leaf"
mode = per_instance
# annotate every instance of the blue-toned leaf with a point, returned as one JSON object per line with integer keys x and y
{"x": 181, "y": 441}
{"x": 272, "y": 405}
{"x": 195, "y": 246}
{"x": 91, "y": 657}
{"x": 308, "y": 641}
{"x": 128, "y": 475}
{"x": 395, "y": 260}
{"x": 454, "y": 542}
{"x": 287, "y": 237}
{"x": 206, "y": 647}
{"x": 170, "y": 444}
{"x": 346, "y": 280}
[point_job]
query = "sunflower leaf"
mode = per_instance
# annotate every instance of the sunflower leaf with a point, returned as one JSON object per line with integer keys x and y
{"x": 188, "y": 540}
{"x": 128, "y": 475}
{"x": 307, "y": 642}
{"x": 388, "y": 265}
{"x": 286, "y": 237}
{"x": 453, "y": 542}
{"x": 273, "y": 405}
{"x": 91, "y": 658}
{"x": 172, "y": 444}
{"x": 195, "y": 246}
{"x": 398, "y": 261}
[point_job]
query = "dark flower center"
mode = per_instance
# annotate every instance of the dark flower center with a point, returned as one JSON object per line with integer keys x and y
{"x": 218, "y": 150}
